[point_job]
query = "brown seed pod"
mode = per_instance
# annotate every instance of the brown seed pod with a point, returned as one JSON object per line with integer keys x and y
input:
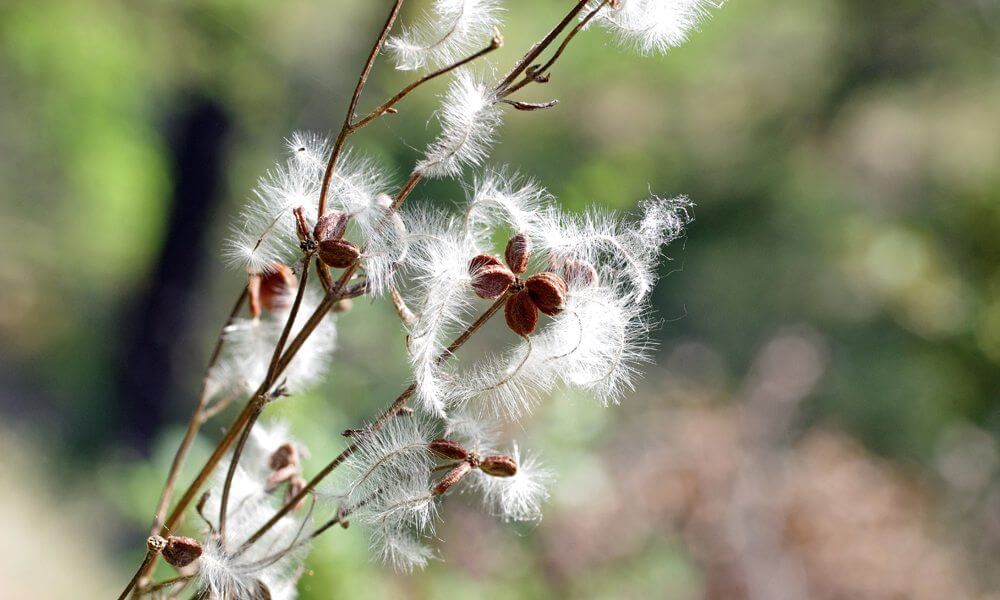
{"x": 492, "y": 281}
{"x": 285, "y": 455}
{"x": 448, "y": 449}
{"x": 518, "y": 252}
{"x": 451, "y": 478}
{"x": 338, "y": 254}
{"x": 579, "y": 273}
{"x": 521, "y": 313}
{"x": 498, "y": 466}
{"x": 330, "y": 226}
{"x": 181, "y": 551}
{"x": 547, "y": 291}
{"x": 481, "y": 261}
{"x": 277, "y": 287}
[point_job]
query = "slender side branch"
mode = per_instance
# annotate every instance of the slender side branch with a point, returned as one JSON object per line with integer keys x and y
{"x": 540, "y": 46}
{"x": 139, "y": 573}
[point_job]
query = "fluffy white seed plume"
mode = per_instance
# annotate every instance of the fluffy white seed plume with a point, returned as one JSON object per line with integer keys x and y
{"x": 653, "y": 26}
{"x": 500, "y": 197}
{"x": 469, "y": 119}
{"x": 625, "y": 254}
{"x": 520, "y": 497}
{"x": 452, "y": 31}
{"x": 265, "y": 230}
{"x": 504, "y": 387}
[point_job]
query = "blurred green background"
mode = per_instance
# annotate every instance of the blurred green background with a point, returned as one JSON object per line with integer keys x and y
{"x": 822, "y": 416}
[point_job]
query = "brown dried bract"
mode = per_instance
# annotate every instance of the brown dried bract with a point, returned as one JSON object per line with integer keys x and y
{"x": 498, "y": 466}
{"x": 451, "y": 478}
{"x": 181, "y": 551}
{"x": 521, "y": 313}
{"x": 338, "y": 254}
{"x": 330, "y": 226}
{"x": 518, "y": 252}
{"x": 492, "y": 281}
{"x": 448, "y": 449}
{"x": 547, "y": 291}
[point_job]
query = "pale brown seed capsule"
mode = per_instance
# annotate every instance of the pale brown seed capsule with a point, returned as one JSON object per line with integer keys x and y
{"x": 448, "y": 449}
{"x": 451, "y": 478}
{"x": 547, "y": 291}
{"x": 330, "y": 226}
{"x": 498, "y": 466}
{"x": 521, "y": 313}
{"x": 518, "y": 252}
{"x": 481, "y": 261}
{"x": 156, "y": 543}
{"x": 285, "y": 455}
{"x": 181, "y": 551}
{"x": 277, "y": 287}
{"x": 338, "y": 254}
{"x": 579, "y": 273}
{"x": 492, "y": 281}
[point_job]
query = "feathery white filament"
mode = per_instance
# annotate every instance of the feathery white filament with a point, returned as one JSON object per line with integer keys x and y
{"x": 500, "y": 197}
{"x": 469, "y": 118}
{"x": 449, "y": 33}
{"x": 654, "y": 26}
{"x": 517, "y": 498}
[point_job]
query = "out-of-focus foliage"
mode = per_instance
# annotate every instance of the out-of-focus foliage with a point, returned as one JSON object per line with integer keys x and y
{"x": 844, "y": 157}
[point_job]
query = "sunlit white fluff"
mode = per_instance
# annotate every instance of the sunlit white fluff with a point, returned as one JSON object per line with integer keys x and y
{"x": 506, "y": 386}
{"x": 502, "y": 198}
{"x": 653, "y": 26}
{"x": 453, "y": 30}
{"x": 469, "y": 118}
{"x": 249, "y": 347}
{"x": 438, "y": 266}
{"x": 264, "y": 232}
{"x": 385, "y": 458}
{"x": 517, "y": 498}
{"x": 625, "y": 254}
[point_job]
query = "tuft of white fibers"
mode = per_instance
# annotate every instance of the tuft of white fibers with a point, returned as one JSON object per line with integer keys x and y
{"x": 451, "y": 32}
{"x": 274, "y": 560}
{"x": 625, "y": 254}
{"x": 249, "y": 347}
{"x": 264, "y": 232}
{"x": 505, "y": 387}
{"x": 500, "y": 197}
{"x": 520, "y": 497}
{"x": 654, "y": 26}
{"x": 469, "y": 116}
{"x": 438, "y": 268}
{"x": 471, "y": 426}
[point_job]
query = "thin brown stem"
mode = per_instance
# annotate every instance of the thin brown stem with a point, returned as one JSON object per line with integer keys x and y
{"x": 391, "y": 411}
{"x": 148, "y": 560}
{"x": 404, "y": 192}
{"x": 540, "y": 46}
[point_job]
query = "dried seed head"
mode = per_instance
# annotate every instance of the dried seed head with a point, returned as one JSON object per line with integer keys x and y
{"x": 338, "y": 254}
{"x": 518, "y": 252}
{"x": 277, "y": 287}
{"x": 156, "y": 543}
{"x": 579, "y": 273}
{"x": 448, "y": 449}
{"x": 482, "y": 261}
{"x": 181, "y": 551}
{"x": 285, "y": 455}
{"x": 521, "y": 313}
{"x": 330, "y": 226}
{"x": 451, "y": 478}
{"x": 498, "y": 466}
{"x": 547, "y": 291}
{"x": 492, "y": 281}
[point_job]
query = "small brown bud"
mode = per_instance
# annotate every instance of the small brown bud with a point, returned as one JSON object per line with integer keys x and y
{"x": 498, "y": 466}
{"x": 448, "y": 449}
{"x": 277, "y": 287}
{"x": 156, "y": 543}
{"x": 547, "y": 291}
{"x": 521, "y": 313}
{"x": 492, "y": 281}
{"x": 285, "y": 455}
{"x": 579, "y": 273}
{"x": 181, "y": 551}
{"x": 451, "y": 478}
{"x": 482, "y": 261}
{"x": 330, "y": 226}
{"x": 338, "y": 254}
{"x": 518, "y": 252}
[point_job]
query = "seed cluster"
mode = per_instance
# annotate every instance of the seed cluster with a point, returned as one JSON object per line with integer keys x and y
{"x": 495, "y": 465}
